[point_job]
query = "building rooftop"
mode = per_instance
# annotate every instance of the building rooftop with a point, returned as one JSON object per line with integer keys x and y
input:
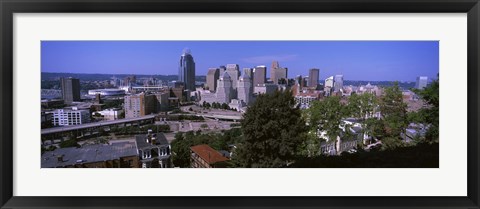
{"x": 208, "y": 154}
{"x": 141, "y": 140}
{"x": 87, "y": 154}
{"x": 225, "y": 76}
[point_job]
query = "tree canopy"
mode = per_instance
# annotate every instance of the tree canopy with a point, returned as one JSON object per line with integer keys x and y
{"x": 272, "y": 129}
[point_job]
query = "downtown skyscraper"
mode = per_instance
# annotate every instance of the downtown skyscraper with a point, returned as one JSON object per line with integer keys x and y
{"x": 70, "y": 90}
{"x": 186, "y": 70}
{"x": 313, "y": 75}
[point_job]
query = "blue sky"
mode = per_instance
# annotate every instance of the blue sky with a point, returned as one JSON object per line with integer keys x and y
{"x": 356, "y": 60}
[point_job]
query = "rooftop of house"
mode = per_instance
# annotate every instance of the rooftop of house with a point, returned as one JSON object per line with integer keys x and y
{"x": 142, "y": 143}
{"x": 208, "y": 154}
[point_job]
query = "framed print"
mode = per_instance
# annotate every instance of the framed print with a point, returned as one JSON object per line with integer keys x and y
{"x": 348, "y": 104}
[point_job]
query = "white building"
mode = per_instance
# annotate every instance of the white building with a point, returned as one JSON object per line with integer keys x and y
{"x": 224, "y": 88}
{"x": 305, "y": 101}
{"x": 338, "y": 83}
{"x": 244, "y": 89}
{"x": 63, "y": 117}
{"x": 328, "y": 85}
{"x": 236, "y": 104}
{"x": 110, "y": 114}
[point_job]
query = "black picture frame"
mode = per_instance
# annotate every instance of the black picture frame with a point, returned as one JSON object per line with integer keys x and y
{"x": 9, "y": 7}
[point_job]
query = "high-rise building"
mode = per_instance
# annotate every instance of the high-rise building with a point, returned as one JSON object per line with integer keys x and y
{"x": 338, "y": 83}
{"x": 259, "y": 75}
{"x": 224, "y": 89}
{"x": 249, "y": 73}
{"x": 329, "y": 82}
{"x": 313, "y": 76}
{"x": 70, "y": 89}
{"x": 244, "y": 89}
{"x": 233, "y": 71}
{"x": 274, "y": 66}
{"x": 186, "y": 71}
{"x": 139, "y": 105}
{"x": 279, "y": 74}
{"x": 212, "y": 77}
{"x": 222, "y": 69}
{"x": 422, "y": 82}
{"x": 161, "y": 101}
{"x": 299, "y": 81}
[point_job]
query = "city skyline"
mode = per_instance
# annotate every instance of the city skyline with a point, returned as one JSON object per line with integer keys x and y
{"x": 358, "y": 60}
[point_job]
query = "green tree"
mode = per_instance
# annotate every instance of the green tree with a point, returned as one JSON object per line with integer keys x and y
{"x": 272, "y": 129}
{"x": 326, "y": 115}
{"x": 181, "y": 150}
{"x": 361, "y": 106}
{"x": 430, "y": 113}
{"x": 225, "y": 106}
{"x": 394, "y": 113}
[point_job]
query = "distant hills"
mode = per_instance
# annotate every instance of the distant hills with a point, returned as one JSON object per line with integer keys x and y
{"x": 47, "y": 76}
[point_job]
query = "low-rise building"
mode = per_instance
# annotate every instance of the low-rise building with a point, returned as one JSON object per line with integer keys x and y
{"x": 65, "y": 117}
{"x": 110, "y": 114}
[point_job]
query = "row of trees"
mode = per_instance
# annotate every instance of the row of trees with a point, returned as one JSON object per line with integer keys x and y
{"x": 215, "y": 105}
{"x": 276, "y": 131}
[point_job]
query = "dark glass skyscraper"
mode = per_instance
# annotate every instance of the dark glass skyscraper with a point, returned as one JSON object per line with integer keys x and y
{"x": 186, "y": 71}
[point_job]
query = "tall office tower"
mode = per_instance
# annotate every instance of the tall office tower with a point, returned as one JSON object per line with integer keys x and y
{"x": 422, "y": 82}
{"x": 338, "y": 83}
{"x": 186, "y": 71}
{"x": 259, "y": 75}
{"x": 328, "y": 86}
{"x": 139, "y": 105}
{"x": 313, "y": 76}
{"x": 224, "y": 88}
{"x": 275, "y": 65}
{"x": 244, "y": 88}
{"x": 70, "y": 90}
{"x": 233, "y": 71}
{"x": 305, "y": 81}
{"x": 299, "y": 80}
{"x": 249, "y": 73}
{"x": 222, "y": 70}
{"x": 279, "y": 74}
{"x": 212, "y": 77}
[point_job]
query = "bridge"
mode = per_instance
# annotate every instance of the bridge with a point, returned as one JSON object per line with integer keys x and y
{"x": 89, "y": 128}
